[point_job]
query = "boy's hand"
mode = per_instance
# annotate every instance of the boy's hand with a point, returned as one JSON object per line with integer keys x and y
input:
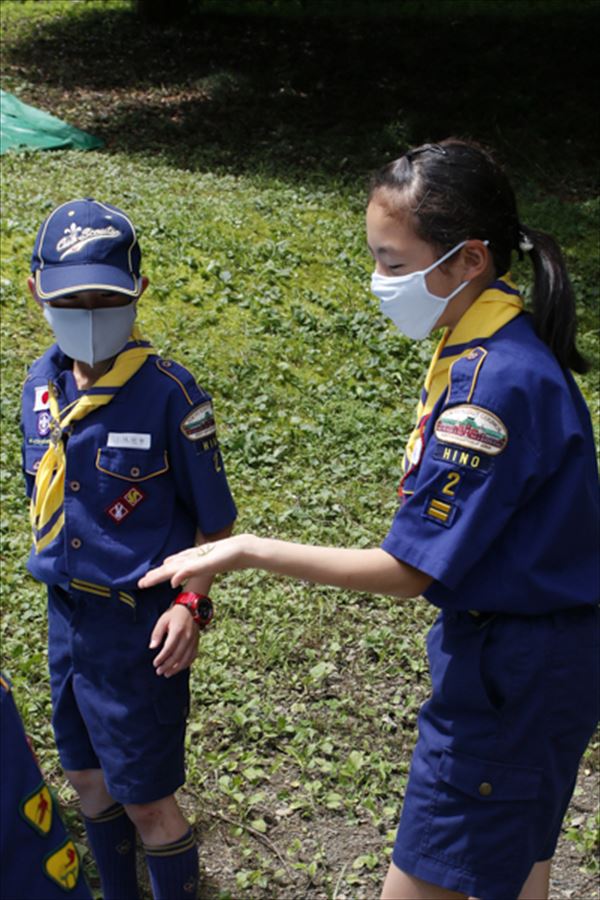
{"x": 180, "y": 635}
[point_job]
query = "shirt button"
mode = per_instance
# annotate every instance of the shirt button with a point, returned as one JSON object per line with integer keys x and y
{"x": 134, "y": 471}
{"x": 485, "y": 789}
{"x": 74, "y": 485}
{"x": 76, "y": 543}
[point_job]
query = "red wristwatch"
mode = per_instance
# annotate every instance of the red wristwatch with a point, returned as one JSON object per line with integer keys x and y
{"x": 200, "y": 606}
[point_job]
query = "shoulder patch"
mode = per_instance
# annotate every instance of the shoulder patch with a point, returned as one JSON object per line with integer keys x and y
{"x": 473, "y": 427}
{"x": 42, "y": 398}
{"x": 199, "y": 424}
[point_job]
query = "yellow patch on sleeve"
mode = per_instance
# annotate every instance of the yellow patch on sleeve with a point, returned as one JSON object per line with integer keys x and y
{"x": 62, "y": 866}
{"x": 37, "y": 810}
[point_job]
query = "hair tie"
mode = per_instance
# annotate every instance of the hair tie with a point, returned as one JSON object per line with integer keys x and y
{"x": 425, "y": 148}
{"x": 525, "y": 242}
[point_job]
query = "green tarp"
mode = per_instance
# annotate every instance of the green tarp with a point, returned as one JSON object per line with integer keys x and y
{"x": 23, "y": 127}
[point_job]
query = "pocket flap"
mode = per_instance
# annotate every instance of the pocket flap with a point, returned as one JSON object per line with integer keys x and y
{"x": 489, "y": 781}
{"x": 131, "y": 465}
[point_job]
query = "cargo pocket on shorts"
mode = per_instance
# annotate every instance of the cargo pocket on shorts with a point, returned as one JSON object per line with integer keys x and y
{"x": 483, "y": 813}
{"x": 172, "y": 698}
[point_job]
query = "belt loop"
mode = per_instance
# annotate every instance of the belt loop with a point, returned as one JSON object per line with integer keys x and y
{"x": 481, "y": 618}
{"x": 128, "y": 599}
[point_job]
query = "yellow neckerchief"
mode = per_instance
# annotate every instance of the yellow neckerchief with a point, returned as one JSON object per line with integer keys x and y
{"x": 46, "y": 510}
{"x": 493, "y": 309}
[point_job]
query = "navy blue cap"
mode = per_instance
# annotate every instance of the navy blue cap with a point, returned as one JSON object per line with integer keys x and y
{"x": 85, "y": 245}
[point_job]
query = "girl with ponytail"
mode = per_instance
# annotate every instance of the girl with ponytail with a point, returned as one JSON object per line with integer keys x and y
{"x": 497, "y": 526}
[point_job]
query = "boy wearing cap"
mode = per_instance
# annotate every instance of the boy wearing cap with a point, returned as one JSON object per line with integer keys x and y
{"x": 123, "y": 468}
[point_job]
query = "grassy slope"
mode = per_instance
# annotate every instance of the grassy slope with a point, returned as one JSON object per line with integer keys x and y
{"x": 240, "y": 147}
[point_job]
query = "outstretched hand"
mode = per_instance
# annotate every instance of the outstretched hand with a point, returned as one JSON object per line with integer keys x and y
{"x": 207, "y": 560}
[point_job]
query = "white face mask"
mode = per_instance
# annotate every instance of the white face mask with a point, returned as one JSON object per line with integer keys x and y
{"x": 91, "y": 335}
{"x": 409, "y": 303}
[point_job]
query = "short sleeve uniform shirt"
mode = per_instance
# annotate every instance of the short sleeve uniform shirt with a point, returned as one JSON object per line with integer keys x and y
{"x": 502, "y": 509}
{"x": 142, "y": 473}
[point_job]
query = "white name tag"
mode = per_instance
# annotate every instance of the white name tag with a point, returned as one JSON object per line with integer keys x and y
{"x": 129, "y": 439}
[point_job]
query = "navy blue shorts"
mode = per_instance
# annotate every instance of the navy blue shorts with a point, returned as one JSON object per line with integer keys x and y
{"x": 110, "y": 708}
{"x": 514, "y": 703}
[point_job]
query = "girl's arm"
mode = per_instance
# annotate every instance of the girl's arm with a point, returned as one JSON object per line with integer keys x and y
{"x": 371, "y": 571}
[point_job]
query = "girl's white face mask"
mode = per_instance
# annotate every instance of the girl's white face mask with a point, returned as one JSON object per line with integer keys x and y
{"x": 91, "y": 335}
{"x": 409, "y": 303}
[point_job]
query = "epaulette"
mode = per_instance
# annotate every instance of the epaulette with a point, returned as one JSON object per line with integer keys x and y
{"x": 46, "y": 365}
{"x": 463, "y": 375}
{"x": 182, "y": 377}
{"x": 4, "y": 684}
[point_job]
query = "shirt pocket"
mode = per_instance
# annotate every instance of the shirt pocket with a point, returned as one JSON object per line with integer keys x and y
{"x": 132, "y": 465}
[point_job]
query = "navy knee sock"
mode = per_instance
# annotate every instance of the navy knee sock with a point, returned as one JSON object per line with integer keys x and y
{"x": 173, "y": 869}
{"x": 112, "y": 838}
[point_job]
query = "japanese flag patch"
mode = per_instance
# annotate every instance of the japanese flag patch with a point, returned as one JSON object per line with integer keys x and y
{"x": 199, "y": 424}
{"x": 42, "y": 398}
{"x": 473, "y": 427}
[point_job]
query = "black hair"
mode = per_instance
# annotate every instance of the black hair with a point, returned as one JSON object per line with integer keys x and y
{"x": 455, "y": 191}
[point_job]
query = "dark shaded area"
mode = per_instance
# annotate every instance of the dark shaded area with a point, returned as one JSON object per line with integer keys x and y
{"x": 292, "y": 96}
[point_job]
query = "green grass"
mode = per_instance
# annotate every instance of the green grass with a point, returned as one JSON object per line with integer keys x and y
{"x": 242, "y": 158}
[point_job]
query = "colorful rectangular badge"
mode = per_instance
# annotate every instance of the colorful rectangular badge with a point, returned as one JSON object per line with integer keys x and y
{"x": 120, "y": 508}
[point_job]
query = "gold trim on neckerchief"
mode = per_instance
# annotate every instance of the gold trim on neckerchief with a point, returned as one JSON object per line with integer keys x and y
{"x": 493, "y": 309}
{"x": 47, "y": 510}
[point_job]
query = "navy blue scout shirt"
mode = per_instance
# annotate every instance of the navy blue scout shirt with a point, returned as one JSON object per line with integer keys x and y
{"x": 503, "y": 508}
{"x": 142, "y": 473}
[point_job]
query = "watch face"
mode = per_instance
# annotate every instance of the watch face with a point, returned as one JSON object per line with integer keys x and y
{"x": 205, "y": 610}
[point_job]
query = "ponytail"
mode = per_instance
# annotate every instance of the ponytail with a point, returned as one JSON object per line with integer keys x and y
{"x": 554, "y": 315}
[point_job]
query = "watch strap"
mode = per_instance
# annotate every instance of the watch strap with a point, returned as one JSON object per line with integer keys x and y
{"x": 200, "y": 607}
